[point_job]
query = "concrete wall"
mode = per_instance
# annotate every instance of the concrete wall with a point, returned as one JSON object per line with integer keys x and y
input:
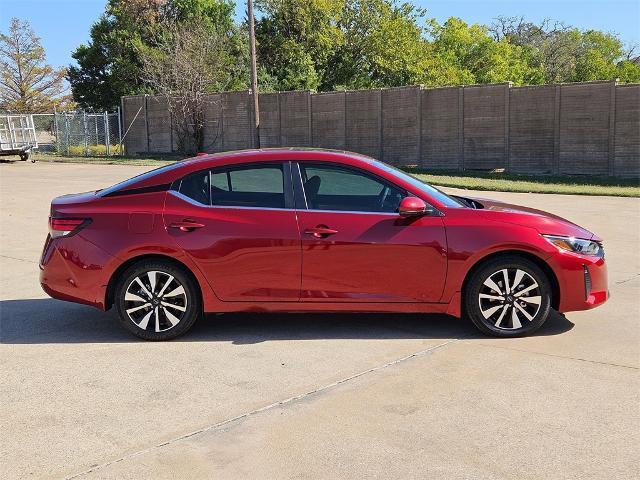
{"x": 582, "y": 128}
{"x": 626, "y": 149}
{"x": 484, "y": 120}
{"x": 441, "y": 130}
{"x": 532, "y": 114}
{"x": 363, "y": 121}
{"x": 328, "y": 115}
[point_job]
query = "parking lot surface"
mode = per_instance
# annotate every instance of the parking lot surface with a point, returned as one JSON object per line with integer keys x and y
{"x": 312, "y": 396}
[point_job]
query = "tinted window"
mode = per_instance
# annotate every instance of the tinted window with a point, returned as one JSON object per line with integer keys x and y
{"x": 196, "y": 187}
{"x": 330, "y": 187}
{"x": 253, "y": 186}
{"x": 143, "y": 176}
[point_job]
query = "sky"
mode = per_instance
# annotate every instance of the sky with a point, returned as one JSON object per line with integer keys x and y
{"x": 65, "y": 24}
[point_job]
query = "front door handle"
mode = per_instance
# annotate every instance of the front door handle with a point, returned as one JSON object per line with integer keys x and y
{"x": 320, "y": 231}
{"x": 186, "y": 225}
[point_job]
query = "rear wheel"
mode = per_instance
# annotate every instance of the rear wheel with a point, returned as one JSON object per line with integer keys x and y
{"x": 157, "y": 300}
{"x": 508, "y": 297}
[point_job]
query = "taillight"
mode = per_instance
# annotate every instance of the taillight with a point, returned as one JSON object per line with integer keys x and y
{"x": 63, "y": 227}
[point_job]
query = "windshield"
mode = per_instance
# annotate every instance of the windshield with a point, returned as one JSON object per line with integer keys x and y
{"x": 137, "y": 178}
{"x": 423, "y": 187}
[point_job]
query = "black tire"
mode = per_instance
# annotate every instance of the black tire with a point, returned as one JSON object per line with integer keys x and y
{"x": 185, "y": 306}
{"x": 481, "y": 299}
{"x": 24, "y": 156}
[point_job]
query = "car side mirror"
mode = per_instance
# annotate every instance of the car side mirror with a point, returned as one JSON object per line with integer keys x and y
{"x": 413, "y": 207}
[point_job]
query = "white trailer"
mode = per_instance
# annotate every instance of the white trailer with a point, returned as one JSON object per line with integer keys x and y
{"x": 17, "y": 136}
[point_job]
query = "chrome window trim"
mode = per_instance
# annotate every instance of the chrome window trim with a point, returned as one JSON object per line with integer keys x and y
{"x": 197, "y": 204}
{"x": 388, "y": 214}
{"x": 237, "y": 207}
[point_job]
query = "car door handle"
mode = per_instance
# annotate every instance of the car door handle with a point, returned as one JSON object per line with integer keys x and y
{"x": 186, "y": 225}
{"x": 321, "y": 231}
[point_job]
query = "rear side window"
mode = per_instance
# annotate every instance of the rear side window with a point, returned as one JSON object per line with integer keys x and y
{"x": 260, "y": 186}
{"x": 196, "y": 187}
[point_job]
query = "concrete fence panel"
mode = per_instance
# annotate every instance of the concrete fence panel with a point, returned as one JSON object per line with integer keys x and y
{"x": 213, "y": 124}
{"x": 134, "y": 124}
{"x": 158, "y": 124}
{"x": 627, "y": 131}
{"x": 270, "y": 120}
{"x": 484, "y": 127}
{"x": 363, "y": 122}
{"x": 532, "y": 120}
{"x": 401, "y": 125}
{"x": 328, "y": 120}
{"x": 590, "y": 128}
{"x": 440, "y": 131}
{"x": 584, "y": 128}
{"x": 295, "y": 119}
{"x": 237, "y": 131}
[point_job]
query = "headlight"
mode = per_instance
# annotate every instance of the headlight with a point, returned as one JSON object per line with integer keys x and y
{"x": 576, "y": 245}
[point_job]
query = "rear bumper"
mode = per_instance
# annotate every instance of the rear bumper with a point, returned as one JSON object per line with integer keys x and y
{"x": 582, "y": 281}
{"x": 73, "y": 269}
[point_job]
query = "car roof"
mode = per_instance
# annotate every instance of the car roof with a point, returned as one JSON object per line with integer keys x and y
{"x": 165, "y": 176}
{"x": 177, "y": 170}
{"x": 272, "y": 153}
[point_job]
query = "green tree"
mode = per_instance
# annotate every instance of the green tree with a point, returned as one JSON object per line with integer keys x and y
{"x": 468, "y": 54}
{"x": 566, "y": 54}
{"x": 27, "y": 83}
{"x": 295, "y": 40}
{"x": 383, "y": 46}
{"x": 628, "y": 72}
{"x": 597, "y": 55}
{"x": 110, "y": 65}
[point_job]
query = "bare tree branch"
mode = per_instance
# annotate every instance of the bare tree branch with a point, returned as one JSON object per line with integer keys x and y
{"x": 191, "y": 62}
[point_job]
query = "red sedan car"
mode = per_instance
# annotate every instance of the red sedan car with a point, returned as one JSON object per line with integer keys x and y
{"x": 311, "y": 230}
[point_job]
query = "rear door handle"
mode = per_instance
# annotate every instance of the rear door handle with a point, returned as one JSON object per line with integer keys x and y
{"x": 321, "y": 231}
{"x": 186, "y": 225}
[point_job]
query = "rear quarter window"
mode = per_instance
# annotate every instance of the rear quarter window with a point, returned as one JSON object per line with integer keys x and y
{"x": 105, "y": 192}
{"x": 196, "y": 187}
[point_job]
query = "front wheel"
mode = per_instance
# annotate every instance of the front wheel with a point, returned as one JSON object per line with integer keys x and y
{"x": 157, "y": 300}
{"x": 508, "y": 297}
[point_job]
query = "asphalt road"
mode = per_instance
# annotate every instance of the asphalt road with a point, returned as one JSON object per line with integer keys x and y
{"x": 312, "y": 396}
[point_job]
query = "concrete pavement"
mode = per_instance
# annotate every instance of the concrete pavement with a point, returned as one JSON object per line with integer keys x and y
{"x": 311, "y": 396}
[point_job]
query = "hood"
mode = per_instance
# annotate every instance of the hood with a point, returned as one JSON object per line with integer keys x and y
{"x": 543, "y": 222}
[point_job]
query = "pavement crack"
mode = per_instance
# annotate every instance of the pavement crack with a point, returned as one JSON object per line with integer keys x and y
{"x": 578, "y": 359}
{"x": 265, "y": 408}
{"x": 16, "y": 258}
{"x": 628, "y": 279}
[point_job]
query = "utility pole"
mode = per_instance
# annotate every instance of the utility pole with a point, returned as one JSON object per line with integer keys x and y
{"x": 254, "y": 74}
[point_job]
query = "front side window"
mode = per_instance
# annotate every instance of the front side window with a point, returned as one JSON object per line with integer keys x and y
{"x": 259, "y": 186}
{"x": 331, "y": 187}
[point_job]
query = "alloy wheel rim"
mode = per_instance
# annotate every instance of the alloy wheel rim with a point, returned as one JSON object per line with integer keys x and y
{"x": 509, "y": 299}
{"x": 155, "y": 301}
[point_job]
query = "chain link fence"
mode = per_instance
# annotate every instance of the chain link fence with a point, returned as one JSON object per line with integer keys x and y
{"x": 79, "y": 133}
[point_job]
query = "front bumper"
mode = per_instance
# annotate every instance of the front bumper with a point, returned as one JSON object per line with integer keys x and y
{"x": 73, "y": 269}
{"x": 582, "y": 281}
